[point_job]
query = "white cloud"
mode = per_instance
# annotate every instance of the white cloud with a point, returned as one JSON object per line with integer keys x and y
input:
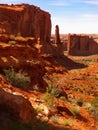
{"x": 69, "y": 2}
{"x": 91, "y": 16}
{"x": 93, "y": 2}
{"x": 59, "y": 3}
{"x": 9, "y": 1}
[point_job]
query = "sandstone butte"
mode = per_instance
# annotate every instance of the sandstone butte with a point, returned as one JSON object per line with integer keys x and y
{"x": 28, "y": 20}
{"x": 81, "y": 45}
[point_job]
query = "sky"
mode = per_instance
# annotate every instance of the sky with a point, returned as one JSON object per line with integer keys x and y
{"x": 72, "y": 16}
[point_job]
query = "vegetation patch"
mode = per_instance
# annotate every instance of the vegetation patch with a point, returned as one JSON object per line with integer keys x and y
{"x": 12, "y": 42}
{"x": 18, "y": 79}
{"x": 51, "y": 91}
{"x": 75, "y": 110}
{"x": 48, "y": 99}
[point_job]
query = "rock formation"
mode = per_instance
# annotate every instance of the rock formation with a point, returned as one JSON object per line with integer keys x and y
{"x": 55, "y": 47}
{"x": 16, "y": 107}
{"x": 81, "y": 45}
{"x": 57, "y": 36}
{"x": 22, "y": 53}
{"x": 26, "y": 20}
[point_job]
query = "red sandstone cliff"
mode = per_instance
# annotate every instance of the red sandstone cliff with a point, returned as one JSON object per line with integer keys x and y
{"x": 28, "y": 20}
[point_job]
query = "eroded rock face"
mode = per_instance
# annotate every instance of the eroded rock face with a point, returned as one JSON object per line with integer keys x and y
{"x": 17, "y": 53}
{"x": 22, "y": 55}
{"x": 15, "y": 107}
{"x": 81, "y": 45}
{"x": 28, "y": 20}
{"x": 57, "y": 36}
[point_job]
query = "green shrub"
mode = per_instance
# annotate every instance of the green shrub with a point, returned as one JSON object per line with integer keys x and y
{"x": 53, "y": 89}
{"x": 17, "y": 79}
{"x": 18, "y": 34}
{"x": 54, "y": 119}
{"x": 96, "y": 78}
{"x": 75, "y": 110}
{"x": 80, "y": 101}
{"x": 38, "y": 109}
{"x": 66, "y": 122}
{"x": 87, "y": 105}
{"x": 94, "y": 108}
{"x": 61, "y": 121}
{"x": 48, "y": 99}
{"x": 63, "y": 98}
{"x": 12, "y": 42}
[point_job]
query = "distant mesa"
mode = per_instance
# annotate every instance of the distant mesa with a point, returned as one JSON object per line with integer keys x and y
{"x": 81, "y": 45}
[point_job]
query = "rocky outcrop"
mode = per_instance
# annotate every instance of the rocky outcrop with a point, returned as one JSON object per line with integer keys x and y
{"x": 81, "y": 45}
{"x": 22, "y": 54}
{"x": 17, "y": 52}
{"x": 57, "y": 35}
{"x": 55, "y": 47}
{"x": 27, "y": 20}
{"x": 15, "y": 107}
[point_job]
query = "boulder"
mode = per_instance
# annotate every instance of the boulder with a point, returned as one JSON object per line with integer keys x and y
{"x": 16, "y": 107}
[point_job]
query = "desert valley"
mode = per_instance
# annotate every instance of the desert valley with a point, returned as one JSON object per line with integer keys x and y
{"x": 47, "y": 81}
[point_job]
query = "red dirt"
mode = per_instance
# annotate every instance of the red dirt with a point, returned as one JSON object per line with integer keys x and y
{"x": 75, "y": 83}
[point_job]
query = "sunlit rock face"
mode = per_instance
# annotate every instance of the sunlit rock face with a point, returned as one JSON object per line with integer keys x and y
{"x": 81, "y": 45}
{"x": 24, "y": 19}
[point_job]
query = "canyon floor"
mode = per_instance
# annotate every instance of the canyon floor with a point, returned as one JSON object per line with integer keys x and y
{"x": 63, "y": 90}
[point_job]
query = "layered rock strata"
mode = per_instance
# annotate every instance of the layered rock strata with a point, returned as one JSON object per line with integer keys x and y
{"x": 81, "y": 45}
{"x": 25, "y": 20}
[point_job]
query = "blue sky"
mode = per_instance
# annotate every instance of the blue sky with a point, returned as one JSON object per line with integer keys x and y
{"x": 72, "y": 16}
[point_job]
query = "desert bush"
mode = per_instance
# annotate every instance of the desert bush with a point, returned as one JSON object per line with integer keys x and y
{"x": 95, "y": 94}
{"x": 12, "y": 42}
{"x": 87, "y": 105}
{"x": 75, "y": 110}
{"x": 51, "y": 92}
{"x": 78, "y": 89}
{"x": 53, "y": 89}
{"x": 61, "y": 121}
{"x": 66, "y": 122}
{"x": 38, "y": 109}
{"x": 96, "y": 78}
{"x": 63, "y": 98}
{"x": 86, "y": 61}
{"x": 80, "y": 101}
{"x": 54, "y": 119}
{"x": 94, "y": 108}
{"x": 18, "y": 34}
{"x": 48, "y": 99}
{"x": 17, "y": 79}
